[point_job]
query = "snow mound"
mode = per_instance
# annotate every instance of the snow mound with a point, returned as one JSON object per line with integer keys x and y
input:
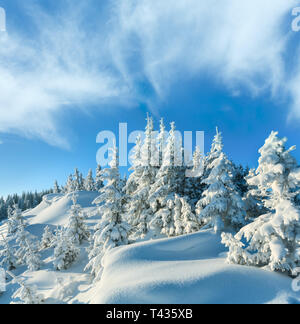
{"x": 189, "y": 269}
{"x": 54, "y": 209}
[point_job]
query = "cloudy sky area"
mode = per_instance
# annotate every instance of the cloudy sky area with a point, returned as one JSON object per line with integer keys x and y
{"x": 69, "y": 69}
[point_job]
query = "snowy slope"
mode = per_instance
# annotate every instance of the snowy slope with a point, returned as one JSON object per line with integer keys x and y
{"x": 54, "y": 208}
{"x": 187, "y": 269}
{"x": 54, "y": 211}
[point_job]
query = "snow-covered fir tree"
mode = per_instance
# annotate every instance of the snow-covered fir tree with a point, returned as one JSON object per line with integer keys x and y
{"x": 15, "y": 219}
{"x": 137, "y": 189}
{"x": 77, "y": 181}
{"x": 190, "y": 222}
{"x": 273, "y": 239}
{"x": 32, "y": 257}
{"x": 169, "y": 181}
{"x": 98, "y": 181}
{"x": 144, "y": 170}
{"x": 176, "y": 218}
{"x": 149, "y": 156}
{"x": 77, "y": 229}
{"x": 66, "y": 252}
{"x": 7, "y": 255}
{"x": 214, "y": 153}
{"x": 162, "y": 141}
{"x": 193, "y": 187}
{"x": 70, "y": 184}
{"x": 221, "y": 205}
{"x": 136, "y": 169}
{"x": 89, "y": 184}
{"x": 47, "y": 239}
{"x": 56, "y": 188}
{"x": 112, "y": 230}
{"x": 81, "y": 182}
{"x": 28, "y": 251}
{"x": 26, "y": 294}
{"x": 239, "y": 178}
{"x": 253, "y": 199}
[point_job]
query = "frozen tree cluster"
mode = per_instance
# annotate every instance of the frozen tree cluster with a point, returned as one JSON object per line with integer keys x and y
{"x": 165, "y": 197}
{"x": 272, "y": 239}
{"x": 77, "y": 182}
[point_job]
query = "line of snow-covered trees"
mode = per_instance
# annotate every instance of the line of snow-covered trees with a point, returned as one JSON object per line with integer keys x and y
{"x": 163, "y": 198}
{"x": 25, "y": 201}
{"x": 76, "y": 182}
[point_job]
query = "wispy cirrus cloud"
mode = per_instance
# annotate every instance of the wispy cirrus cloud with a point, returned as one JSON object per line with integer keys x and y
{"x": 85, "y": 54}
{"x": 60, "y": 66}
{"x": 237, "y": 41}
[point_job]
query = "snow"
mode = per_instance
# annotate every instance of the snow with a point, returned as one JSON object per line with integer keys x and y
{"x": 54, "y": 208}
{"x": 189, "y": 269}
{"x": 186, "y": 269}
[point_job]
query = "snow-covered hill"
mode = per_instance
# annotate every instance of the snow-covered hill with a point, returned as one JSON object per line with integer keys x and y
{"x": 186, "y": 269}
{"x": 189, "y": 269}
{"x": 54, "y": 208}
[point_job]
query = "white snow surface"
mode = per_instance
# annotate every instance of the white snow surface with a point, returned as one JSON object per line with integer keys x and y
{"x": 186, "y": 269}
{"x": 189, "y": 269}
{"x": 54, "y": 208}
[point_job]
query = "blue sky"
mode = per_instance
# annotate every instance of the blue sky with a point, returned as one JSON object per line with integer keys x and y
{"x": 69, "y": 70}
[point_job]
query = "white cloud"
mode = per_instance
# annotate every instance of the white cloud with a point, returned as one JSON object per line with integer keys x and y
{"x": 240, "y": 43}
{"x": 61, "y": 67}
{"x": 236, "y": 40}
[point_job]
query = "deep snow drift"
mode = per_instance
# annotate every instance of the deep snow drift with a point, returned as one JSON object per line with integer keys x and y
{"x": 186, "y": 269}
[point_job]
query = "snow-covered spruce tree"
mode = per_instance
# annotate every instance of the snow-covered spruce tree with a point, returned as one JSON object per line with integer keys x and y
{"x": 33, "y": 258}
{"x": 137, "y": 190}
{"x": 7, "y": 256}
{"x": 136, "y": 201}
{"x": 26, "y": 294}
{"x": 27, "y": 252}
{"x": 239, "y": 178}
{"x": 169, "y": 182}
{"x": 193, "y": 187}
{"x": 77, "y": 182}
{"x": 189, "y": 220}
{"x": 254, "y": 199}
{"x": 215, "y": 151}
{"x": 162, "y": 141}
{"x": 89, "y": 184}
{"x": 98, "y": 181}
{"x": 70, "y": 184}
{"x": 66, "y": 252}
{"x": 56, "y": 188}
{"x": 136, "y": 170}
{"x": 221, "y": 205}
{"x": 47, "y": 239}
{"x": 77, "y": 229}
{"x": 111, "y": 231}
{"x": 144, "y": 169}
{"x": 272, "y": 240}
{"x": 177, "y": 218}
{"x": 15, "y": 219}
